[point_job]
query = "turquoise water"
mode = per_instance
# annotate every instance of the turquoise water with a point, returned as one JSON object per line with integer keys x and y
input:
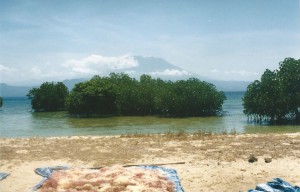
{"x": 18, "y": 120}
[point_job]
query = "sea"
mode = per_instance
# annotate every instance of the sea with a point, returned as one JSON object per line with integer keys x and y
{"x": 17, "y": 119}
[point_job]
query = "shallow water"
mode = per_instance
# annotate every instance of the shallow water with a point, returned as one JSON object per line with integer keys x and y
{"x": 18, "y": 120}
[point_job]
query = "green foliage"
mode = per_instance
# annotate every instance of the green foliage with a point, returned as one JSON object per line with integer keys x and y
{"x": 276, "y": 97}
{"x": 120, "y": 94}
{"x": 48, "y": 97}
{"x": 126, "y": 91}
{"x": 289, "y": 77}
{"x": 1, "y": 101}
{"x": 190, "y": 98}
{"x": 96, "y": 96}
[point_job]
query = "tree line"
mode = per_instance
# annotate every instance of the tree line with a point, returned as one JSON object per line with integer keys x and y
{"x": 275, "y": 97}
{"x": 120, "y": 95}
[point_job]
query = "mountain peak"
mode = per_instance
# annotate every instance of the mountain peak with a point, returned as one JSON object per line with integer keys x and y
{"x": 148, "y": 64}
{"x": 158, "y": 67}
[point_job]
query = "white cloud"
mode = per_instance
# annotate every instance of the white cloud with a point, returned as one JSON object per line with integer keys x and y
{"x": 233, "y": 75}
{"x": 241, "y": 73}
{"x": 36, "y": 71}
{"x": 170, "y": 72}
{"x": 214, "y": 71}
{"x": 6, "y": 69}
{"x": 130, "y": 72}
{"x": 95, "y": 64}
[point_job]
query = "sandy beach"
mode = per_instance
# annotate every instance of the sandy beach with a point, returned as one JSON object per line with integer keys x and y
{"x": 204, "y": 162}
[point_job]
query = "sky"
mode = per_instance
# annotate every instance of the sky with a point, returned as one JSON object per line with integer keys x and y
{"x": 53, "y": 40}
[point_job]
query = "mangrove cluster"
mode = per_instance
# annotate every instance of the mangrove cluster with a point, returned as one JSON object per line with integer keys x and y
{"x": 276, "y": 97}
{"x": 49, "y": 96}
{"x": 120, "y": 95}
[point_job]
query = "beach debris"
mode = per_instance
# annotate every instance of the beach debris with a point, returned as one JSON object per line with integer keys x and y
{"x": 268, "y": 159}
{"x": 252, "y": 158}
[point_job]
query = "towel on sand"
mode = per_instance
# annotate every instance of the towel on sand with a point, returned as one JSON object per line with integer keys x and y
{"x": 277, "y": 185}
{"x": 171, "y": 174}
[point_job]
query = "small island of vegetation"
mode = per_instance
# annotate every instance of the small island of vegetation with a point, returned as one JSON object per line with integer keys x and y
{"x": 49, "y": 96}
{"x": 276, "y": 97}
{"x": 121, "y": 95}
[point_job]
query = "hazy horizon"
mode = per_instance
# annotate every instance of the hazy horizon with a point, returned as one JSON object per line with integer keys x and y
{"x": 223, "y": 40}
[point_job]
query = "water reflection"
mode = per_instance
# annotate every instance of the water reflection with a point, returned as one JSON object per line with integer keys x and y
{"x": 150, "y": 124}
{"x": 59, "y": 124}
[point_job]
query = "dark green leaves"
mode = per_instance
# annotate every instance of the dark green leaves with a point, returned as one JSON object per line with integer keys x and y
{"x": 48, "y": 97}
{"x": 120, "y": 94}
{"x": 276, "y": 97}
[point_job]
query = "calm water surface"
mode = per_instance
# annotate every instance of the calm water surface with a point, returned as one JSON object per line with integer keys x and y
{"x": 18, "y": 120}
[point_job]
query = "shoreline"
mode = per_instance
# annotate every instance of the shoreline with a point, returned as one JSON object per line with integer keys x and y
{"x": 212, "y": 162}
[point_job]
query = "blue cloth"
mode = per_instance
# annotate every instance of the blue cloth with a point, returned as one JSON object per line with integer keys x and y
{"x": 3, "y": 175}
{"x": 277, "y": 185}
{"x": 46, "y": 172}
{"x": 171, "y": 174}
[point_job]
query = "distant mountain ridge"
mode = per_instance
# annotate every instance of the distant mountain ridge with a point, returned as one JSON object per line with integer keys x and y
{"x": 156, "y": 67}
{"x": 13, "y": 91}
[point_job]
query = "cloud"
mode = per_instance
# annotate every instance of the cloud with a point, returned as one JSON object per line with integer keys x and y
{"x": 6, "y": 69}
{"x": 95, "y": 64}
{"x": 170, "y": 72}
{"x": 36, "y": 71}
{"x": 241, "y": 73}
{"x": 130, "y": 72}
{"x": 233, "y": 74}
{"x": 214, "y": 71}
